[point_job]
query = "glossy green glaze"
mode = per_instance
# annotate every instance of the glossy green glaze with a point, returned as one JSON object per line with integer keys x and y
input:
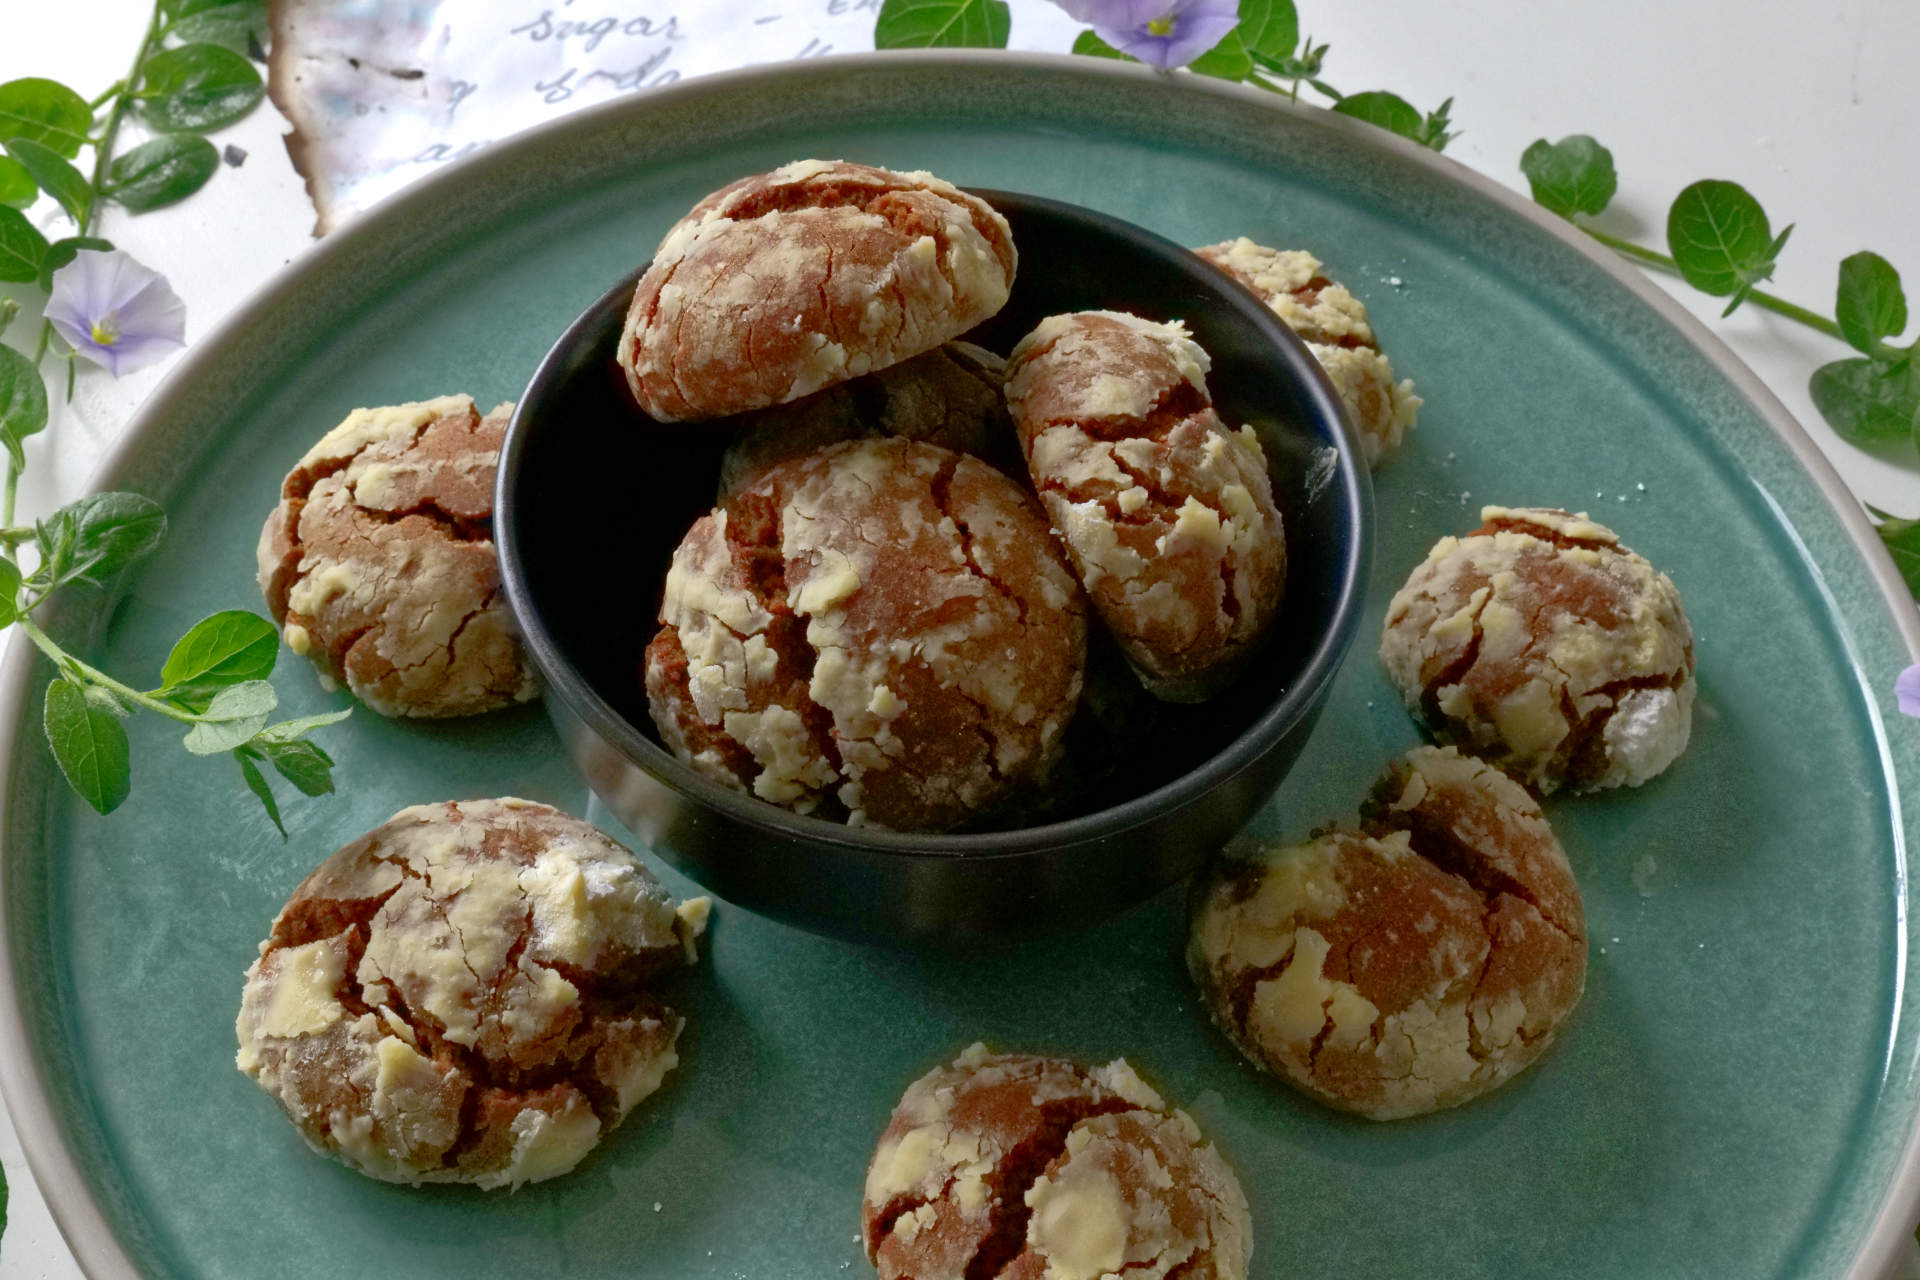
{"x": 1731, "y": 1098}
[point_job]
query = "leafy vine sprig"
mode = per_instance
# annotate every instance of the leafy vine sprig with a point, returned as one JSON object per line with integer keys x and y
{"x": 1718, "y": 237}
{"x": 190, "y": 76}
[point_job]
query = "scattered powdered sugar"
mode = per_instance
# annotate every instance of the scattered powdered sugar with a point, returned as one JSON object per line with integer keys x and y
{"x": 1320, "y": 472}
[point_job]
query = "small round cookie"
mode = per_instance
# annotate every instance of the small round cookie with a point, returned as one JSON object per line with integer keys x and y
{"x": 1167, "y": 515}
{"x": 1333, "y": 323}
{"x": 379, "y": 563}
{"x": 1541, "y": 644}
{"x": 783, "y": 283}
{"x": 1013, "y": 1167}
{"x": 880, "y": 631}
{"x": 950, "y": 396}
{"x": 461, "y": 995}
{"x": 1404, "y": 970}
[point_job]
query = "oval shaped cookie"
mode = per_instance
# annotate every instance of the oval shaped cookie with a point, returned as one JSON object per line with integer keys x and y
{"x": 783, "y": 283}
{"x": 1167, "y": 516}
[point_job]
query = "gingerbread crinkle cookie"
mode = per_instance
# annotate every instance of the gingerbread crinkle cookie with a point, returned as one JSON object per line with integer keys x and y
{"x": 786, "y": 282}
{"x": 1167, "y": 515}
{"x": 951, "y": 396}
{"x": 880, "y": 631}
{"x": 1405, "y": 968}
{"x": 1541, "y": 644}
{"x": 463, "y": 995}
{"x": 1014, "y": 1167}
{"x": 1334, "y": 325}
{"x": 379, "y": 561}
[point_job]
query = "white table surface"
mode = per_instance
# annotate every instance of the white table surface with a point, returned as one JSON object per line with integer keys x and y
{"x": 1811, "y": 107}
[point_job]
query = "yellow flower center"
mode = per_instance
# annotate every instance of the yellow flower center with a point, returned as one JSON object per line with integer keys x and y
{"x": 106, "y": 330}
{"x": 1161, "y": 26}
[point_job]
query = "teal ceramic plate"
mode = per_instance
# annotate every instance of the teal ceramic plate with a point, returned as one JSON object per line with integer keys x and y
{"x": 1735, "y": 1096}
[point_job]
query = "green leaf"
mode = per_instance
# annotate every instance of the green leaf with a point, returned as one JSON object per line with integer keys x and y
{"x": 9, "y": 592}
{"x": 1902, "y": 538}
{"x": 239, "y": 25}
{"x": 197, "y": 88}
{"x": 1388, "y": 110}
{"x": 1089, "y": 44}
{"x": 61, "y": 252}
{"x": 54, "y": 175}
{"x": 1573, "y": 175}
{"x": 218, "y": 651}
{"x": 1269, "y": 28}
{"x": 85, "y": 541}
{"x": 1871, "y": 304}
{"x": 927, "y": 24}
{"x": 235, "y": 715}
{"x": 303, "y": 764}
{"x": 175, "y": 10}
{"x": 44, "y": 111}
{"x": 288, "y": 730}
{"x": 1227, "y": 60}
{"x": 258, "y": 785}
{"x": 155, "y": 174}
{"x": 1868, "y": 403}
{"x": 17, "y": 187}
{"x": 89, "y": 745}
{"x": 21, "y": 247}
{"x": 1719, "y": 237}
{"x": 23, "y": 403}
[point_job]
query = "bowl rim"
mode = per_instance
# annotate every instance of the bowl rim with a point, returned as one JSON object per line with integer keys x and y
{"x": 1350, "y": 485}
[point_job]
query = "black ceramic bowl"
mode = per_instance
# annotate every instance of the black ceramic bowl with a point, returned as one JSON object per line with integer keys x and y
{"x": 592, "y": 501}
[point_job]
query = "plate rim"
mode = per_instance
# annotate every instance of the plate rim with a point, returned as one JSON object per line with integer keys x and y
{"x": 83, "y": 1225}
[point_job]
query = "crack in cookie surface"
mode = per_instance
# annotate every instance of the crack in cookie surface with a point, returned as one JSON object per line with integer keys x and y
{"x": 380, "y": 557}
{"x": 462, "y": 995}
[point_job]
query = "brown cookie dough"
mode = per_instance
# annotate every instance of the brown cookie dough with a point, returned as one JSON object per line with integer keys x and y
{"x": 1407, "y": 969}
{"x": 881, "y": 631}
{"x": 950, "y": 396}
{"x": 1541, "y": 644}
{"x": 379, "y": 561}
{"x": 1167, "y": 515}
{"x": 1012, "y": 1167}
{"x": 786, "y": 282}
{"x": 1333, "y": 323}
{"x": 461, "y": 995}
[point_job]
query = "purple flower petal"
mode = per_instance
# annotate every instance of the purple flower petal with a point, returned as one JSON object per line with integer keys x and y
{"x": 115, "y": 312}
{"x": 1162, "y": 33}
{"x": 1906, "y": 690}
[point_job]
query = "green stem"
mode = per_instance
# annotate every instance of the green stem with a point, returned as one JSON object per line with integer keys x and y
{"x": 1759, "y": 297}
{"x": 72, "y": 665}
{"x": 13, "y": 537}
{"x": 112, "y": 89}
{"x": 103, "y": 150}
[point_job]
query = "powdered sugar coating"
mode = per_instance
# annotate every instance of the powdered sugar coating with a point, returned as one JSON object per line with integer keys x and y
{"x": 1407, "y": 968}
{"x": 881, "y": 630}
{"x": 786, "y": 282}
{"x": 1335, "y": 326}
{"x": 1014, "y": 1167}
{"x": 1167, "y": 515}
{"x": 379, "y": 561}
{"x": 458, "y": 996}
{"x": 1541, "y": 644}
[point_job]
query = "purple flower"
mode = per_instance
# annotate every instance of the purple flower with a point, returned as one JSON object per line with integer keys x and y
{"x": 115, "y": 312}
{"x": 1161, "y": 33}
{"x": 1906, "y": 690}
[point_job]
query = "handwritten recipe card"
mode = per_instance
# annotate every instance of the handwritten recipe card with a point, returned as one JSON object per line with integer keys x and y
{"x": 382, "y": 91}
